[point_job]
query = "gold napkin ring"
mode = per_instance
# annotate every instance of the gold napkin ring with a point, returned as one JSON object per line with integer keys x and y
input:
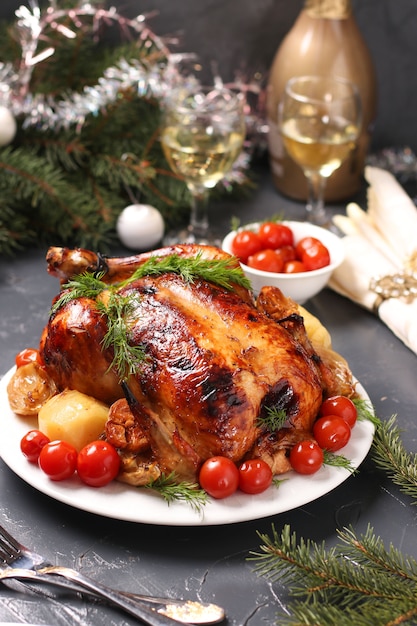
{"x": 400, "y": 285}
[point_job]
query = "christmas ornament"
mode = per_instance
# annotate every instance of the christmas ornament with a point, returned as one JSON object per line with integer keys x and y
{"x": 7, "y": 126}
{"x": 140, "y": 226}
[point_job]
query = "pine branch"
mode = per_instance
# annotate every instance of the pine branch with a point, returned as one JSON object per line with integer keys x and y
{"x": 356, "y": 582}
{"x": 390, "y": 455}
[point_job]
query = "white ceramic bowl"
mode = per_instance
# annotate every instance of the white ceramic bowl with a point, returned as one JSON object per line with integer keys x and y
{"x": 304, "y": 285}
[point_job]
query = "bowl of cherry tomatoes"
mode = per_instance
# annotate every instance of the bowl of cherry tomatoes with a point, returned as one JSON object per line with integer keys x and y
{"x": 297, "y": 257}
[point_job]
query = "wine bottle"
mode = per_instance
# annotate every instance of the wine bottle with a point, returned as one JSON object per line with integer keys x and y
{"x": 325, "y": 39}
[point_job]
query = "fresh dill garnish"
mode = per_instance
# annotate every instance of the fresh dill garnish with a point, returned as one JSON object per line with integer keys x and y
{"x": 338, "y": 460}
{"x": 184, "y": 491}
{"x": 223, "y": 272}
{"x": 86, "y": 285}
{"x": 119, "y": 311}
{"x": 119, "y": 308}
{"x": 365, "y": 411}
{"x": 274, "y": 419}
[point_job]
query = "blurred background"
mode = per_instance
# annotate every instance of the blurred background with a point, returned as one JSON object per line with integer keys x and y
{"x": 243, "y": 35}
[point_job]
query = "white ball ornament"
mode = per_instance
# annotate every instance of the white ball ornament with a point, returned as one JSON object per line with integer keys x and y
{"x": 140, "y": 226}
{"x": 8, "y": 126}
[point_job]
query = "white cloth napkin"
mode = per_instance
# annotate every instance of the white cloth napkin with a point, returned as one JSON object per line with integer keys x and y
{"x": 379, "y": 242}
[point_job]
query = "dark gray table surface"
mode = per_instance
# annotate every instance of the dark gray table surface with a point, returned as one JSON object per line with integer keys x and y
{"x": 209, "y": 563}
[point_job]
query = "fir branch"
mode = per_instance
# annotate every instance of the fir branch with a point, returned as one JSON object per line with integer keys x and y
{"x": 390, "y": 455}
{"x": 183, "y": 491}
{"x": 222, "y": 272}
{"x": 356, "y": 582}
{"x": 338, "y": 460}
{"x": 366, "y": 411}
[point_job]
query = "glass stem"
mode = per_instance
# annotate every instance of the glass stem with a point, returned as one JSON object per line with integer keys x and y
{"x": 315, "y": 202}
{"x": 199, "y": 223}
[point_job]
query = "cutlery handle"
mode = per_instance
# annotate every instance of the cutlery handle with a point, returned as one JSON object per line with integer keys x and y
{"x": 147, "y": 615}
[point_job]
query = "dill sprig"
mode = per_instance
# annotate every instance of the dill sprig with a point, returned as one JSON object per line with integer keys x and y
{"x": 184, "y": 491}
{"x": 273, "y": 419}
{"x": 223, "y": 272}
{"x": 359, "y": 581}
{"x": 85, "y": 285}
{"x": 119, "y": 311}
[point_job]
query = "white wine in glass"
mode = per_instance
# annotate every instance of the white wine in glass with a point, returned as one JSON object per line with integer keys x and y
{"x": 202, "y": 135}
{"x": 319, "y": 119}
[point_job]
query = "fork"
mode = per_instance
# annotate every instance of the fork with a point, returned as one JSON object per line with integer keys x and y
{"x": 25, "y": 564}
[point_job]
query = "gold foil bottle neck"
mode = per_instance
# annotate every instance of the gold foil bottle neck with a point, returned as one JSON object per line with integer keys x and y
{"x": 328, "y": 9}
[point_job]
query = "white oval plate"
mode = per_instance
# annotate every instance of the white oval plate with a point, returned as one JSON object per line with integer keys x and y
{"x": 123, "y": 502}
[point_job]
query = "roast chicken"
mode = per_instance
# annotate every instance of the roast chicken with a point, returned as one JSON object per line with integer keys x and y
{"x": 216, "y": 363}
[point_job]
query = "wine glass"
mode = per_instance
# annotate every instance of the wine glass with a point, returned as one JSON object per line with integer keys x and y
{"x": 319, "y": 119}
{"x": 202, "y": 135}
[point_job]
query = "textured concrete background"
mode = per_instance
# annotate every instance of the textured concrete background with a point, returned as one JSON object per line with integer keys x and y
{"x": 246, "y": 33}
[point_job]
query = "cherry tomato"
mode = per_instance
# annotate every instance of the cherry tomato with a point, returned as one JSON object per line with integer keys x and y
{"x": 304, "y": 244}
{"x": 254, "y": 476}
{"x": 331, "y": 432}
{"x": 341, "y": 406}
{"x": 219, "y": 476}
{"x": 275, "y": 235}
{"x": 294, "y": 267}
{"x": 266, "y": 260}
{"x": 245, "y": 243}
{"x": 58, "y": 459}
{"x": 306, "y": 457}
{"x": 315, "y": 257}
{"x": 28, "y": 355}
{"x": 98, "y": 463}
{"x": 32, "y": 443}
{"x": 287, "y": 253}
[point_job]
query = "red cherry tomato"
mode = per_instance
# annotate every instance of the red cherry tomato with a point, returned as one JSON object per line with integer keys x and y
{"x": 304, "y": 244}
{"x": 341, "y": 406}
{"x": 316, "y": 257}
{"x": 58, "y": 459}
{"x": 245, "y": 243}
{"x": 98, "y": 463}
{"x": 294, "y": 267}
{"x": 219, "y": 476}
{"x": 331, "y": 432}
{"x": 254, "y": 476}
{"x": 287, "y": 253}
{"x": 306, "y": 457}
{"x": 275, "y": 235}
{"x": 32, "y": 443}
{"x": 266, "y": 260}
{"x": 28, "y": 355}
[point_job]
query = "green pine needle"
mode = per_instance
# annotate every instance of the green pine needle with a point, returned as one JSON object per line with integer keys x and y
{"x": 338, "y": 460}
{"x": 356, "y": 582}
{"x": 366, "y": 411}
{"x": 390, "y": 455}
{"x": 173, "y": 491}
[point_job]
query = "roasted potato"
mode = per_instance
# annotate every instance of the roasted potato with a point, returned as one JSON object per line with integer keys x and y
{"x": 73, "y": 417}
